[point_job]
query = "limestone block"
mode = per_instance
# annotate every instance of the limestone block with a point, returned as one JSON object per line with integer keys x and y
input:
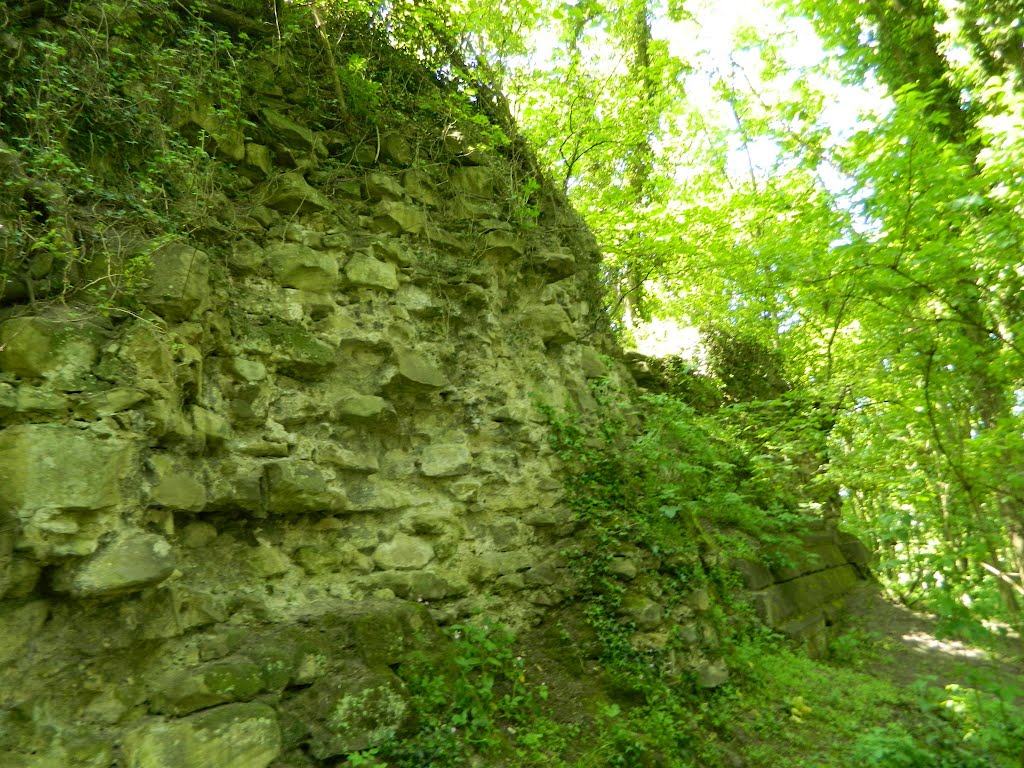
{"x": 62, "y": 350}
{"x": 711, "y": 674}
{"x": 543, "y": 575}
{"x": 247, "y": 370}
{"x": 699, "y": 599}
{"x": 511, "y": 582}
{"x": 289, "y": 193}
{"x": 8, "y": 400}
{"x": 502, "y": 244}
{"x": 300, "y": 235}
{"x": 505, "y": 536}
{"x": 265, "y": 561}
{"x": 385, "y": 631}
{"x": 336, "y": 241}
{"x": 374, "y": 495}
{"x": 446, "y": 460}
{"x": 395, "y": 149}
{"x": 297, "y": 352}
{"x": 420, "y": 186}
{"x": 45, "y": 466}
{"x": 23, "y": 577}
{"x": 131, "y": 562}
{"x": 236, "y": 735}
{"x": 810, "y": 630}
{"x": 36, "y": 400}
{"x": 293, "y": 408}
{"x": 473, "y": 180}
{"x": 490, "y": 565}
{"x": 363, "y": 406}
{"x": 363, "y": 461}
{"x": 147, "y": 356}
{"x": 591, "y": 363}
{"x": 356, "y": 709}
{"x": 19, "y": 625}
{"x": 414, "y": 368}
{"x": 755, "y": 574}
{"x": 210, "y": 427}
{"x": 431, "y": 521}
{"x": 295, "y": 486}
{"x": 394, "y": 251}
{"x": 182, "y": 692}
{"x": 364, "y": 270}
{"x": 234, "y": 485}
{"x": 198, "y": 535}
{"x": 299, "y": 266}
{"x": 316, "y": 561}
{"x": 546, "y": 597}
{"x": 178, "y": 281}
{"x": 260, "y": 447}
{"x": 556, "y": 265}
{"x": 245, "y": 257}
{"x": 815, "y": 555}
{"x": 782, "y": 602}
{"x": 219, "y": 136}
{"x": 257, "y": 158}
{"x": 396, "y": 218}
{"x": 417, "y": 301}
{"x": 288, "y": 132}
{"x": 412, "y": 585}
{"x": 470, "y": 208}
{"x": 171, "y": 611}
{"x": 551, "y": 323}
{"x": 465, "y": 489}
{"x": 853, "y": 549}
{"x": 462, "y": 148}
{"x": 623, "y": 567}
{"x": 109, "y": 402}
{"x": 380, "y": 186}
{"x": 404, "y": 553}
{"x": 644, "y": 612}
{"x": 78, "y": 750}
{"x": 175, "y": 487}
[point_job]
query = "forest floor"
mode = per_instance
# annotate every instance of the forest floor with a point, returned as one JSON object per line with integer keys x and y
{"x": 913, "y": 646}
{"x": 895, "y": 691}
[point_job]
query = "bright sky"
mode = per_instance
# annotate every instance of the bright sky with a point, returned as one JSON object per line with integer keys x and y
{"x": 713, "y": 45}
{"x": 719, "y": 26}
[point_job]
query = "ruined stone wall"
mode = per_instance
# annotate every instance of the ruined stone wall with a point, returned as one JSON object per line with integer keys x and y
{"x": 230, "y": 509}
{"x": 805, "y": 597}
{"x": 328, "y": 394}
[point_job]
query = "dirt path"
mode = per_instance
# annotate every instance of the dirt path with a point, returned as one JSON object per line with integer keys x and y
{"x": 913, "y": 650}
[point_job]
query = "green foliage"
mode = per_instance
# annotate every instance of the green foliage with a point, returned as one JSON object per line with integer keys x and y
{"x": 86, "y": 138}
{"x": 476, "y": 703}
{"x": 958, "y": 728}
{"x": 877, "y": 255}
{"x": 681, "y": 487}
{"x": 803, "y": 713}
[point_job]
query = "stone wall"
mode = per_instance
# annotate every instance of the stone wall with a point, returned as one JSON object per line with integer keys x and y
{"x": 228, "y": 511}
{"x": 804, "y": 596}
{"x": 324, "y": 408}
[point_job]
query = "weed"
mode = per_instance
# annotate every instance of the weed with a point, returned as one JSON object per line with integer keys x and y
{"x": 478, "y": 702}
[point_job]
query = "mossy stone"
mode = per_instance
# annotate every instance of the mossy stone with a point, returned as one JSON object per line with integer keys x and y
{"x": 297, "y": 352}
{"x": 236, "y": 735}
{"x": 218, "y": 682}
{"x": 356, "y": 709}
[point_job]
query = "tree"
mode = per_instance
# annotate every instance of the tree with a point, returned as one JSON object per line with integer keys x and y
{"x": 880, "y": 263}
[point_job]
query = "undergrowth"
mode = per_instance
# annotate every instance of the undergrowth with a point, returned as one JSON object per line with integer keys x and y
{"x": 685, "y": 488}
